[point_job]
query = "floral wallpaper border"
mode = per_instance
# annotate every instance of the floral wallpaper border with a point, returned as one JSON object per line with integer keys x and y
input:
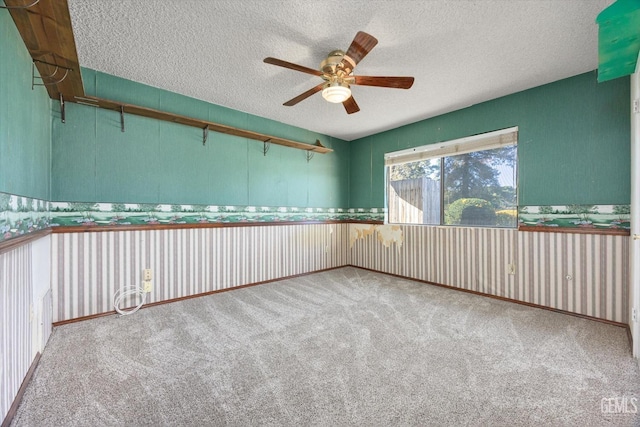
{"x": 22, "y": 215}
{"x": 100, "y": 214}
{"x": 572, "y": 216}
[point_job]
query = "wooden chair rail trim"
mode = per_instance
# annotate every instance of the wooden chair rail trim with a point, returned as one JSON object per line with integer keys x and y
{"x": 99, "y": 228}
{"x": 16, "y": 242}
{"x": 576, "y": 230}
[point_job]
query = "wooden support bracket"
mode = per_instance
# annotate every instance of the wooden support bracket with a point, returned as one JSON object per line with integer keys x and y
{"x": 62, "y": 114}
{"x": 205, "y": 135}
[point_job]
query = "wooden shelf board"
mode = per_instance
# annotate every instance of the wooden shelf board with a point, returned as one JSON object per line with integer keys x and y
{"x": 202, "y": 124}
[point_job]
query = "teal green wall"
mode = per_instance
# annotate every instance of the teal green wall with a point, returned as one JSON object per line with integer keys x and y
{"x": 574, "y": 143}
{"x": 573, "y": 147}
{"x": 25, "y": 120}
{"x": 161, "y": 162}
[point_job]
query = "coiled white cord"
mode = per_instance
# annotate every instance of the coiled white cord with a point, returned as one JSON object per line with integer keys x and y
{"x": 127, "y": 291}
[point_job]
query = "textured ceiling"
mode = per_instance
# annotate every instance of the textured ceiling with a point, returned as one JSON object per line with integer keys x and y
{"x": 460, "y": 52}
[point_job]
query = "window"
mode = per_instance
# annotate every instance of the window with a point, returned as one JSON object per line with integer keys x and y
{"x": 469, "y": 182}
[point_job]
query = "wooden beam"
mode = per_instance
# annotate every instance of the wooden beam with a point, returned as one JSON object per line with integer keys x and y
{"x": 46, "y": 31}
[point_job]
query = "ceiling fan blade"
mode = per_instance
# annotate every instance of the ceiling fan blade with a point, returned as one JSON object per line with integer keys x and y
{"x": 351, "y": 106}
{"x": 361, "y": 46}
{"x": 292, "y": 66}
{"x": 394, "y": 82}
{"x": 304, "y": 95}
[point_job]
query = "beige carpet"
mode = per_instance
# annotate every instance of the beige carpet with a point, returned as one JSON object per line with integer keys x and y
{"x": 342, "y": 347}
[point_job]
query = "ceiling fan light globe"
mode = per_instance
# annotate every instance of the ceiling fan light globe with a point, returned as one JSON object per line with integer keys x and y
{"x": 336, "y": 93}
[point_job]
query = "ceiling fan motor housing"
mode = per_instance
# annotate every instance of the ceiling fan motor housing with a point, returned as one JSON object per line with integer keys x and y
{"x": 334, "y": 67}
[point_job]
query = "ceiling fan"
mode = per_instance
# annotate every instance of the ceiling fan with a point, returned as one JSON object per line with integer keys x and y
{"x": 337, "y": 72}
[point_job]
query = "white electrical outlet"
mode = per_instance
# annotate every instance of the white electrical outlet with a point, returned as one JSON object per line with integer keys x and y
{"x": 147, "y": 286}
{"x": 147, "y": 275}
{"x": 634, "y": 315}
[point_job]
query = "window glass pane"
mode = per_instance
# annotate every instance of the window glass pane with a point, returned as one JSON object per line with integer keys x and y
{"x": 413, "y": 195}
{"x": 480, "y": 188}
{"x": 468, "y": 181}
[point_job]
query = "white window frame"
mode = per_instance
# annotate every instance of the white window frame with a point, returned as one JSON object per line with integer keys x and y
{"x": 480, "y": 142}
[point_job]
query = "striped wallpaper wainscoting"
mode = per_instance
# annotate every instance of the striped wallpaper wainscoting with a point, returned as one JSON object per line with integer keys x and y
{"x": 582, "y": 273}
{"x": 89, "y": 267}
{"x": 15, "y": 325}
